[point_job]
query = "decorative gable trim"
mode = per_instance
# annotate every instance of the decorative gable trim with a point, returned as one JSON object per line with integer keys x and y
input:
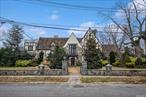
{"x": 72, "y": 40}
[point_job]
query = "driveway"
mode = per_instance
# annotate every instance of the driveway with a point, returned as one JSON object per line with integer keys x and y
{"x": 72, "y": 90}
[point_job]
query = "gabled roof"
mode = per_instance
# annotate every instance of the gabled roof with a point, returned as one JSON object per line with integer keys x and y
{"x": 89, "y": 31}
{"x": 45, "y": 43}
{"x": 109, "y": 47}
{"x": 72, "y": 40}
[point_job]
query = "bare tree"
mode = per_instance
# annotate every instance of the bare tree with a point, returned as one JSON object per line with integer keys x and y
{"x": 132, "y": 24}
{"x": 116, "y": 36}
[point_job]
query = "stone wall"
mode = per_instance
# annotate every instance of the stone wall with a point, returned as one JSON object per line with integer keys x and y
{"x": 115, "y": 72}
{"x": 40, "y": 71}
{"x": 109, "y": 71}
{"x": 32, "y": 72}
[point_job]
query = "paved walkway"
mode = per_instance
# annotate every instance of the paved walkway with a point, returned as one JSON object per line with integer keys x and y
{"x": 74, "y": 76}
{"x": 74, "y": 70}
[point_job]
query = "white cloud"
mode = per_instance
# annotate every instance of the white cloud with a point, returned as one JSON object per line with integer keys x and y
{"x": 38, "y": 31}
{"x": 54, "y": 17}
{"x": 3, "y": 32}
{"x": 140, "y": 5}
{"x": 84, "y": 26}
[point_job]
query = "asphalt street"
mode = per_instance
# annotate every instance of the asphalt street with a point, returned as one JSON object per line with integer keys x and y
{"x": 75, "y": 90}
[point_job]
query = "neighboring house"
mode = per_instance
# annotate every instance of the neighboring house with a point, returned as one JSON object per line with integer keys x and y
{"x": 143, "y": 46}
{"x": 107, "y": 48}
{"x": 30, "y": 46}
{"x": 73, "y": 46}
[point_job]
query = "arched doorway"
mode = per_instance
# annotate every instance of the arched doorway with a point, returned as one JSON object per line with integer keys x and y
{"x": 72, "y": 61}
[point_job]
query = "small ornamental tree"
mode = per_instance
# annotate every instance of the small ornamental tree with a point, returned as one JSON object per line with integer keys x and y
{"x": 138, "y": 62}
{"x": 56, "y": 57}
{"x": 91, "y": 54}
{"x": 6, "y": 57}
{"x": 112, "y": 57}
{"x": 40, "y": 57}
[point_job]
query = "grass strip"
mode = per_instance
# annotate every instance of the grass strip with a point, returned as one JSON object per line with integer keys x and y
{"x": 128, "y": 80}
{"x": 4, "y": 79}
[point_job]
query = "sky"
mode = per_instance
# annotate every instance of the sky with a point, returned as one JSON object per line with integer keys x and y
{"x": 33, "y": 11}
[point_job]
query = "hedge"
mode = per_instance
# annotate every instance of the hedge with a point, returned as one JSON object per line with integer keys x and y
{"x": 23, "y": 63}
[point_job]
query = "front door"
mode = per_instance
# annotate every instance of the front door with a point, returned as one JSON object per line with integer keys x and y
{"x": 72, "y": 61}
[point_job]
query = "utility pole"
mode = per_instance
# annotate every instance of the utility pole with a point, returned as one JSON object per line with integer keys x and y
{"x": 145, "y": 32}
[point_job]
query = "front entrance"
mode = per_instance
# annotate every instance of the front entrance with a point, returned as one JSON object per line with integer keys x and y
{"x": 72, "y": 61}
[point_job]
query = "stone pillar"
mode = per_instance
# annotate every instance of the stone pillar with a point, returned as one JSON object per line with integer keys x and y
{"x": 75, "y": 61}
{"x": 41, "y": 69}
{"x": 109, "y": 68}
{"x": 64, "y": 67}
{"x": 69, "y": 61}
{"x": 84, "y": 68}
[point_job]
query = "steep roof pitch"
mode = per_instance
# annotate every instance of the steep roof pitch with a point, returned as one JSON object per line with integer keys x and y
{"x": 72, "y": 40}
{"x": 109, "y": 47}
{"x": 45, "y": 43}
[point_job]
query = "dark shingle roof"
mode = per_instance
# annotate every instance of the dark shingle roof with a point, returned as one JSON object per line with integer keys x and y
{"x": 45, "y": 43}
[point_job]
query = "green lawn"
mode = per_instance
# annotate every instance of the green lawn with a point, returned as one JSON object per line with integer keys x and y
{"x": 122, "y": 68}
{"x": 22, "y": 68}
{"x": 18, "y": 68}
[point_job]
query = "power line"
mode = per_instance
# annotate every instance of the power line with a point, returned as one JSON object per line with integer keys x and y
{"x": 49, "y": 27}
{"x": 71, "y": 6}
{"x": 39, "y": 26}
{"x": 28, "y": 35}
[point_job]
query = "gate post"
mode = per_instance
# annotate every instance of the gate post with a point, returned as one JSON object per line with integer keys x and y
{"x": 84, "y": 68}
{"x": 41, "y": 69}
{"x": 64, "y": 67}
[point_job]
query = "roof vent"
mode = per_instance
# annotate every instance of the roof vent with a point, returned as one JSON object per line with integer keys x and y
{"x": 56, "y": 36}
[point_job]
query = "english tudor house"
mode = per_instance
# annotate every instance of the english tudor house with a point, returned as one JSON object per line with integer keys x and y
{"x": 73, "y": 46}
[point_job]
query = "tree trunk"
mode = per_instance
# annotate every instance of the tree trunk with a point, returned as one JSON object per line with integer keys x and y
{"x": 138, "y": 51}
{"x": 145, "y": 47}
